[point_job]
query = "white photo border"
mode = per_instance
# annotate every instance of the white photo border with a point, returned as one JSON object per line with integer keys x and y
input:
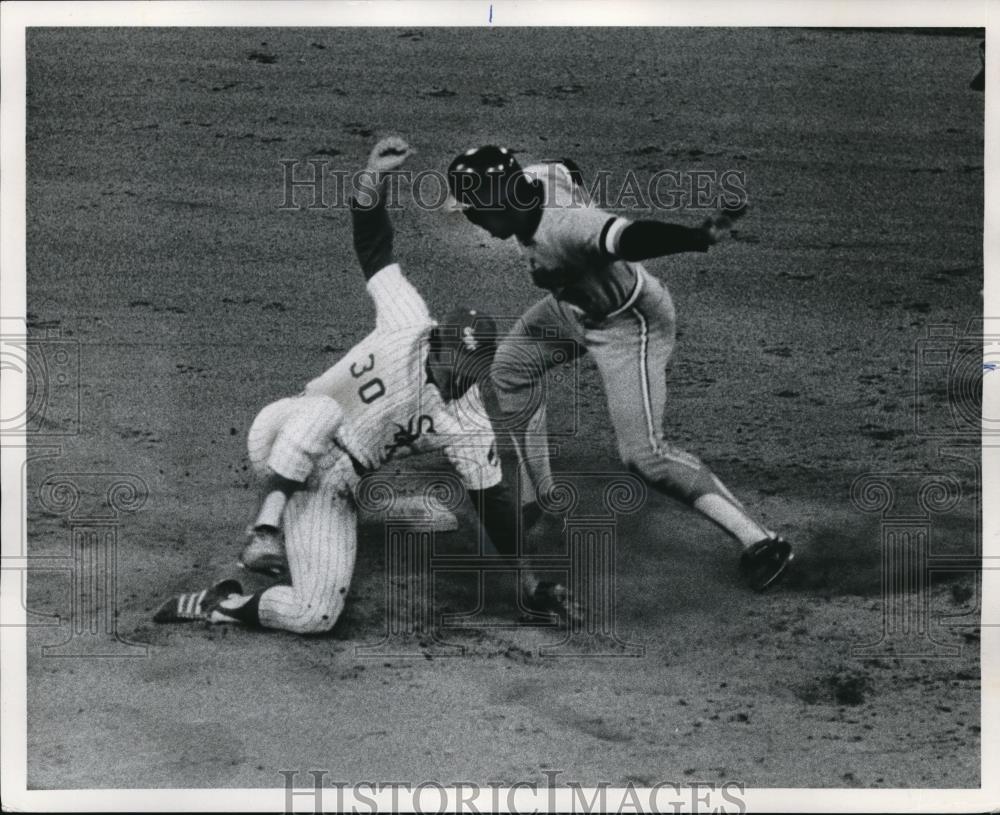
{"x": 15, "y": 17}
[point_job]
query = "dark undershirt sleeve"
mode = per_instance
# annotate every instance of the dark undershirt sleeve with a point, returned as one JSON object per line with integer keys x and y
{"x": 372, "y": 237}
{"x": 642, "y": 240}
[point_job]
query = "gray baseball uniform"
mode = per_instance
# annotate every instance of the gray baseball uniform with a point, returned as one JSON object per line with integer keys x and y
{"x": 625, "y": 319}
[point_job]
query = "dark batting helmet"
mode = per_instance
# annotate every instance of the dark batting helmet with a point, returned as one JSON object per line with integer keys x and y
{"x": 483, "y": 177}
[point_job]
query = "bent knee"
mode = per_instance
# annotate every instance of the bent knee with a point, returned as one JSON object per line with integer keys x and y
{"x": 264, "y": 430}
{"x": 301, "y": 615}
{"x": 313, "y": 621}
{"x": 671, "y": 470}
{"x": 311, "y": 625}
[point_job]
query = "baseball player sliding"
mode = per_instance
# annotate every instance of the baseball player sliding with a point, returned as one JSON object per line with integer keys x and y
{"x": 410, "y": 386}
{"x": 600, "y": 294}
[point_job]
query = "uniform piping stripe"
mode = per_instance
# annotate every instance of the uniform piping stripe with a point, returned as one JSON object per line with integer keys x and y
{"x": 644, "y": 378}
{"x": 609, "y": 235}
{"x": 602, "y": 241}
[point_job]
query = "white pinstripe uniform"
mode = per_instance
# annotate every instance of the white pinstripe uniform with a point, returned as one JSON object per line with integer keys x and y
{"x": 372, "y": 406}
{"x": 625, "y": 319}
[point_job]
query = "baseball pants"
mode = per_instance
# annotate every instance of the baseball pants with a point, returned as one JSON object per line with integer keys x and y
{"x": 294, "y": 438}
{"x": 631, "y": 349}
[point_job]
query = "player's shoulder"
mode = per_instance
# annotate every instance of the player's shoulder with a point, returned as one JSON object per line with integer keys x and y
{"x": 548, "y": 169}
{"x": 410, "y": 336}
{"x": 562, "y": 185}
{"x": 572, "y": 219}
{"x": 401, "y": 350}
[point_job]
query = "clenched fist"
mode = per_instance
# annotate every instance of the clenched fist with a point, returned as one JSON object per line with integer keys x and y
{"x": 389, "y": 154}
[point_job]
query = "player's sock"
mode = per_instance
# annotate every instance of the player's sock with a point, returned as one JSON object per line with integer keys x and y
{"x": 731, "y": 517}
{"x": 271, "y": 509}
{"x": 238, "y": 608}
{"x": 722, "y": 508}
{"x": 686, "y": 478}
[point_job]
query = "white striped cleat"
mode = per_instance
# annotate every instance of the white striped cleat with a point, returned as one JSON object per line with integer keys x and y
{"x": 196, "y": 606}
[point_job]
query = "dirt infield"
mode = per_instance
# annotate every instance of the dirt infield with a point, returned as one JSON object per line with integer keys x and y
{"x": 158, "y": 248}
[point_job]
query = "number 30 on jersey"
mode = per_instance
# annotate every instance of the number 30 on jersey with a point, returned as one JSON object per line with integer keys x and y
{"x": 371, "y": 390}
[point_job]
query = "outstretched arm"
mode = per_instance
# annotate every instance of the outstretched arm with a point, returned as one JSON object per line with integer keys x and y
{"x": 372, "y": 227}
{"x": 397, "y": 303}
{"x": 641, "y": 240}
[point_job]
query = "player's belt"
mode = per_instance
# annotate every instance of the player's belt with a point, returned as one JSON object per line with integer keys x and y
{"x": 593, "y": 317}
{"x": 630, "y": 301}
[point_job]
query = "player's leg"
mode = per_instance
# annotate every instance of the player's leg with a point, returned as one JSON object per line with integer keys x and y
{"x": 518, "y": 376}
{"x": 263, "y": 432}
{"x": 318, "y": 519}
{"x": 632, "y": 354}
{"x": 291, "y": 445}
{"x": 321, "y": 542}
{"x": 284, "y": 440}
{"x": 264, "y": 550}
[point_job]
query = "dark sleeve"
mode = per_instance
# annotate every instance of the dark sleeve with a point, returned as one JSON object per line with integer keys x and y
{"x": 498, "y": 515}
{"x": 372, "y": 236}
{"x": 642, "y": 240}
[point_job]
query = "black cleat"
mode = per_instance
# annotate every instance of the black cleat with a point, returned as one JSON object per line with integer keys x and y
{"x": 196, "y": 606}
{"x": 553, "y": 600}
{"x": 763, "y": 562}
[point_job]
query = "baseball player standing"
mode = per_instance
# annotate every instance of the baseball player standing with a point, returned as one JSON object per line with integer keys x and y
{"x": 600, "y": 294}
{"x": 410, "y": 386}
